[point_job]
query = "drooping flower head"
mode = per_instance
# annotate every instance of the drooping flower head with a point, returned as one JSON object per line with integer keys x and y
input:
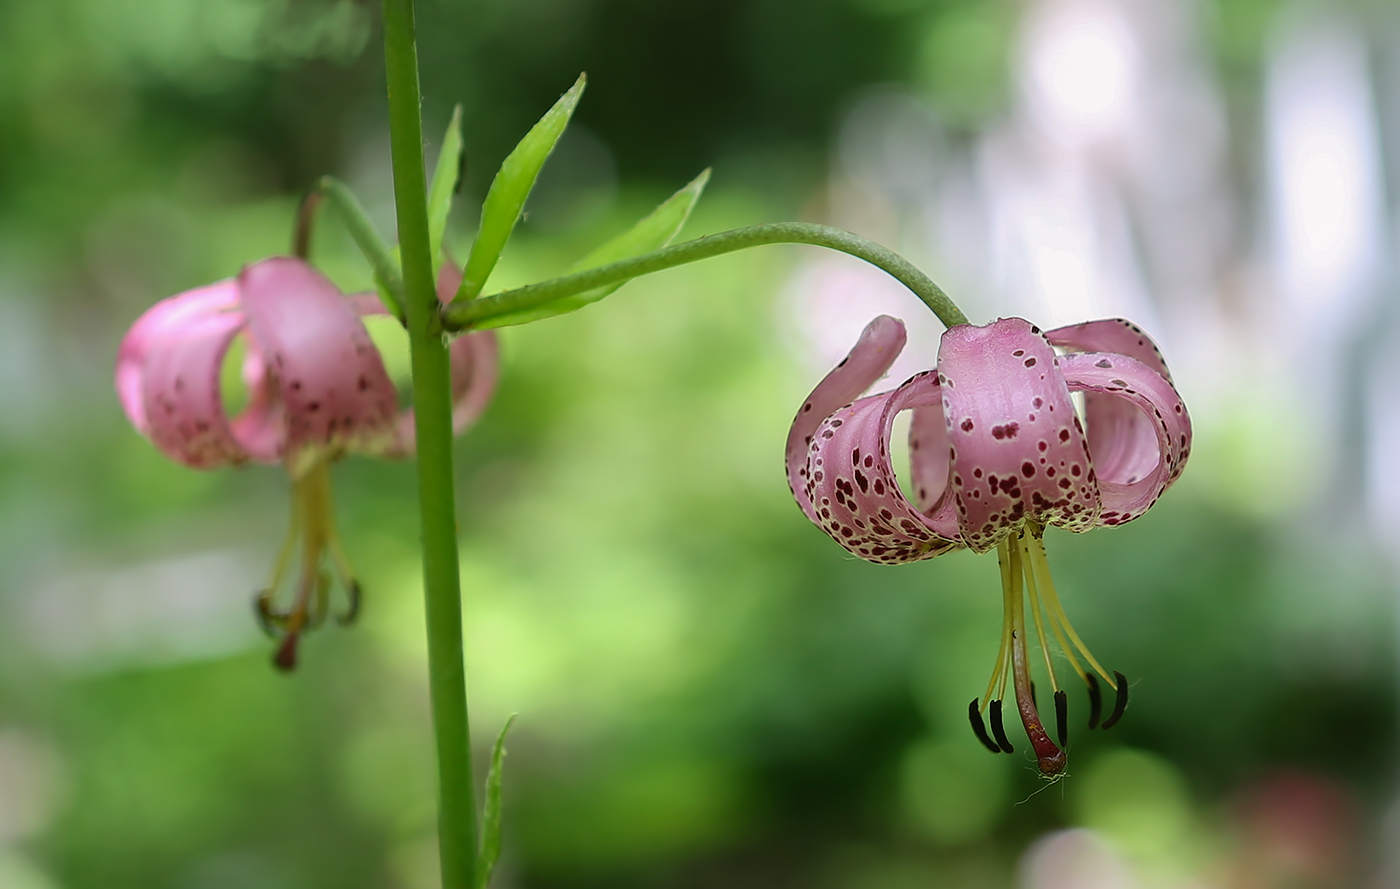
{"x": 997, "y": 452}
{"x": 317, "y": 390}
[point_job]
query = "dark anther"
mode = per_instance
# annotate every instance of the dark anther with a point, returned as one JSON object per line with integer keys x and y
{"x": 262, "y": 607}
{"x": 979, "y": 729}
{"x": 352, "y": 611}
{"x": 1095, "y": 699}
{"x": 1121, "y": 703}
{"x": 1062, "y": 717}
{"x": 1035, "y": 701}
{"x": 998, "y": 731}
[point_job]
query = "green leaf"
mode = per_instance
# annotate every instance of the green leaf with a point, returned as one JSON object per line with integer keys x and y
{"x": 510, "y": 188}
{"x": 491, "y": 812}
{"x": 388, "y": 273}
{"x": 658, "y": 229}
{"x": 449, "y": 167}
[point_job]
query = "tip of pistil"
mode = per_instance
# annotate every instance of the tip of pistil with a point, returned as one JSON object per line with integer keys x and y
{"x": 286, "y": 657}
{"x": 1052, "y": 764}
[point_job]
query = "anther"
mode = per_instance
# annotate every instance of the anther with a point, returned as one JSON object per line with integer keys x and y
{"x": 352, "y": 611}
{"x": 262, "y": 608}
{"x": 1121, "y": 703}
{"x": 974, "y": 715}
{"x": 1095, "y": 700}
{"x": 1062, "y": 717}
{"x": 998, "y": 730}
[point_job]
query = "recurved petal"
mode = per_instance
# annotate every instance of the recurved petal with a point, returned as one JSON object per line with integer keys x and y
{"x": 1121, "y": 438}
{"x": 476, "y": 362}
{"x": 1141, "y": 468}
{"x": 1018, "y": 450}
{"x": 181, "y": 403}
{"x": 852, "y": 486}
{"x": 1111, "y": 335}
{"x": 330, "y": 377}
{"x": 879, "y": 345}
{"x": 157, "y": 326}
{"x": 261, "y": 427}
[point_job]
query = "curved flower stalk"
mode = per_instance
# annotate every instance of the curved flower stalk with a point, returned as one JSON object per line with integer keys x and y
{"x": 997, "y": 453}
{"x": 318, "y": 390}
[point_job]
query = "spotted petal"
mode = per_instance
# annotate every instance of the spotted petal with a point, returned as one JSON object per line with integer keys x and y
{"x": 852, "y": 485}
{"x": 1122, "y": 440}
{"x": 1141, "y": 469}
{"x": 1018, "y": 450}
{"x": 838, "y": 455}
{"x": 328, "y": 374}
{"x": 181, "y": 405}
{"x": 879, "y": 345}
{"x": 161, "y": 324}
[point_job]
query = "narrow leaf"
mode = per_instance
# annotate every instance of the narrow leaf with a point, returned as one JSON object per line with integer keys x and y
{"x": 655, "y": 231}
{"x": 491, "y": 812}
{"x": 510, "y": 188}
{"x": 388, "y": 276}
{"x": 449, "y": 166}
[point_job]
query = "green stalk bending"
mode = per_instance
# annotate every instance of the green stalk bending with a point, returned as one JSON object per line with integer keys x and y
{"x": 464, "y": 314}
{"x": 433, "y": 412}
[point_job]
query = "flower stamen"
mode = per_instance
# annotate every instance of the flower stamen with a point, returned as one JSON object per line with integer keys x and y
{"x": 1027, "y": 585}
{"x": 999, "y": 730}
{"x": 313, "y": 526}
{"x": 979, "y": 728}
{"x": 1062, "y": 718}
{"x": 1120, "y": 703}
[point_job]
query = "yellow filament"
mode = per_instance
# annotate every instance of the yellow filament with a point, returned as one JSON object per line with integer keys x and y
{"x": 1028, "y": 565}
{"x": 284, "y": 556}
{"x": 311, "y": 498}
{"x": 1008, "y": 578}
{"x": 1041, "y": 566}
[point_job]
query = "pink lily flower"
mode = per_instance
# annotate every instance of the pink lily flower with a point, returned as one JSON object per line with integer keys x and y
{"x": 318, "y": 390}
{"x": 997, "y": 453}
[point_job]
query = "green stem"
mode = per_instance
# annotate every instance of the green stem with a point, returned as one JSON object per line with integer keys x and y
{"x": 463, "y": 314}
{"x": 306, "y": 221}
{"x": 457, "y": 840}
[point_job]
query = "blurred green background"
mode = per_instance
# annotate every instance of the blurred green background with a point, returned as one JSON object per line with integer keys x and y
{"x": 710, "y": 692}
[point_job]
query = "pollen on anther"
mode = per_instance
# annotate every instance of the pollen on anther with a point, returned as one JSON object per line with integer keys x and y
{"x": 998, "y": 730}
{"x": 1120, "y": 703}
{"x": 1095, "y": 699}
{"x": 979, "y": 729}
{"x": 1062, "y": 717}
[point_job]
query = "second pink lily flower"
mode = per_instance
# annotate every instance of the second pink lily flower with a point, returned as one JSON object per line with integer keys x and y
{"x": 318, "y": 390}
{"x": 997, "y": 453}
